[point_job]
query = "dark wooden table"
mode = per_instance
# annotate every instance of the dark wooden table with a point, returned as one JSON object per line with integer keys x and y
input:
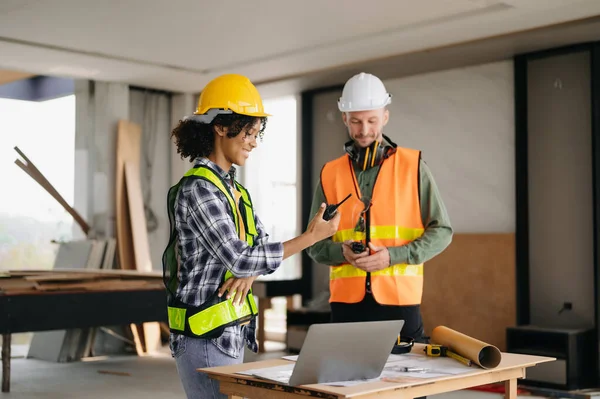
{"x": 44, "y": 311}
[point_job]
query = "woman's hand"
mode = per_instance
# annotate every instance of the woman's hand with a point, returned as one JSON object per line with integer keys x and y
{"x": 319, "y": 228}
{"x": 238, "y": 288}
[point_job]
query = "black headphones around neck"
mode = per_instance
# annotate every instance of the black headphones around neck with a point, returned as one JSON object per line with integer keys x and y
{"x": 370, "y": 156}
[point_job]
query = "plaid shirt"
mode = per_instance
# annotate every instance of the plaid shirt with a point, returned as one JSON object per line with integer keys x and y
{"x": 209, "y": 245}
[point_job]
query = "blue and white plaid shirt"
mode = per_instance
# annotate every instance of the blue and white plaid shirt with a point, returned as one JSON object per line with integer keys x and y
{"x": 209, "y": 245}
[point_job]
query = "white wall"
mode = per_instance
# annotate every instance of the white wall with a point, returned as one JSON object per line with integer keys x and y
{"x": 463, "y": 121}
{"x": 181, "y": 105}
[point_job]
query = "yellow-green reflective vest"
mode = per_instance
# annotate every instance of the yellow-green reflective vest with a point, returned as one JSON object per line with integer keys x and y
{"x": 210, "y": 319}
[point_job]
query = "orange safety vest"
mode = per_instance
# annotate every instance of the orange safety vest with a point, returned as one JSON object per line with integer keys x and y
{"x": 395, "y": 220}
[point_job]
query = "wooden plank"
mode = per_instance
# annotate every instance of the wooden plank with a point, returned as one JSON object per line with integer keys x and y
{"x": 19, "y": 291}
{"x": 7, "y": 284}
{"x": 61, "y": 277}
{"x": 141, "y": 248}
{"x": 239, "y": 391}
{"x": 107, "y": 290}
{"x": 103, "y": 285}
{"x": 73, "y": 254}
{"x": 108, "y": 262}
{"x": 128, "y": 150}
{"x": 96, "y": 255}
{"x": 71, "y": 277}
{"x": 136, "y": 330}
{"x": 111, "y": 372}
{"x": 482, "y": 308}
{"x": 97, "y": 273}
{"x": 29, "y": 168}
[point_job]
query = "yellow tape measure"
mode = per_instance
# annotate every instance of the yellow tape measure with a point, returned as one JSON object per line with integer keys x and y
{"x": 434, "y": 350}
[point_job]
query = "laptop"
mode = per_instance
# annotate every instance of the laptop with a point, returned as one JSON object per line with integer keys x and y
{"x": 335, "y": 352}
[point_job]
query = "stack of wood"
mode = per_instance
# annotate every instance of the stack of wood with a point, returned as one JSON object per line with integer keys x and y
{"x": 129, "y": 251}
{"x": 132, "y": 233}
{"x": 19, "y": 282}
{"x": 77, "y": 343}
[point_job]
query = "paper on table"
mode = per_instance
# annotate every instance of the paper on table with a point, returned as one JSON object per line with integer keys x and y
{"x": 394, "y": 370}
{"x": 440, "y": 365}
{"x": 279, "y": 374}
{"x": 434, "y": 367}
{"x": 294, "y": 358}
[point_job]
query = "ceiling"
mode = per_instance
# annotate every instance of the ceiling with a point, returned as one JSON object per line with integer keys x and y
{"x": 180, "y": 45}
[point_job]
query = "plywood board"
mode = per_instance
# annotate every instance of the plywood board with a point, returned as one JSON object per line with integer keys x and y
{"x": 471, "y": 287}
{"x": 73, "y": 254}
{"x": 102, "y": 285}
{"x": 48, "y": 345}
{"x": 56, "y": 345}
{"x": 133, "y": 247}
{"x": 95, "y": 259}
{"x": 108, "y": 262}
{"x": 137, "y": 216}
{"x": 16, "y": 284}
{"x": 128, "y": 150}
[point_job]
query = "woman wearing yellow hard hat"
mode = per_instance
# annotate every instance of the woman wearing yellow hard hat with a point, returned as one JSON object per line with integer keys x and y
{"x": 218, "y": 245}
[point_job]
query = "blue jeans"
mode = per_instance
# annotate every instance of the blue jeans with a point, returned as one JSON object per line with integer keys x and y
{"x": 193, "y": 353}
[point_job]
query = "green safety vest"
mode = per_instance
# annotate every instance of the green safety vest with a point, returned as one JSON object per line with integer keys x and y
{"x": 210, "y": 319}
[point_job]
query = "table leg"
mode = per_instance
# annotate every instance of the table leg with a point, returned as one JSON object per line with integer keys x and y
{"x": 6, "y": 362}
{"x": 510, "y": 389}
{"x": 263, "y": 304}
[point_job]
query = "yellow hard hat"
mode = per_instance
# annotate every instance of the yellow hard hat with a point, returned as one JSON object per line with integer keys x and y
{"x": 230, "y": 93}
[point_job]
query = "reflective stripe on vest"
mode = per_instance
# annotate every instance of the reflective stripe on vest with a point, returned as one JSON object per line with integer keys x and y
{"x": 213, "y": 317}
{"x": 205, "y": 320}
{"x": 250, "y": 225}
{"x": 395, "y": 220}
{"x": 383, "y": 233}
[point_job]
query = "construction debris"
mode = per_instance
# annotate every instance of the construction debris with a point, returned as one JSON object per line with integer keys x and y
{"x": 15, "y": 282}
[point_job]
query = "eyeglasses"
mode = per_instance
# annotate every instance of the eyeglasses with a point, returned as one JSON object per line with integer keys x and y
{"x": 361, "y": 225}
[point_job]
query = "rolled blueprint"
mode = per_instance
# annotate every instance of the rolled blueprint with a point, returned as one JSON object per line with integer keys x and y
{"x": 483, "y": 354}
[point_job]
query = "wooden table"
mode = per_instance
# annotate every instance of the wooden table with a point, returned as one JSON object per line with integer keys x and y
{"x": 44, "y": 311}
{"x": 510, "y": 369}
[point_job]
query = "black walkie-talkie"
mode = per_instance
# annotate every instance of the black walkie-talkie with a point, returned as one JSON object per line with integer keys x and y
{"x": 331, "y": 209}
{"x": 358, "y": 247}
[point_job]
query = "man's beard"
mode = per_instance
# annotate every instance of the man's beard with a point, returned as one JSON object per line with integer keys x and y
{"x": 375, "y": 137}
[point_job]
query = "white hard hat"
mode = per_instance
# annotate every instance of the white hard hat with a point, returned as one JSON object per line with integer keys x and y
{"x": 363, "y": 92}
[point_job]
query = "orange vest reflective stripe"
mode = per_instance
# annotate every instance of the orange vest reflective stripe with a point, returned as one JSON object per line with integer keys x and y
{"x": 395, "y": 220}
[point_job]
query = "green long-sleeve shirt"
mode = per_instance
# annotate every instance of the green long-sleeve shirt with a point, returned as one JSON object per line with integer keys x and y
{"x": 436, "y": 237}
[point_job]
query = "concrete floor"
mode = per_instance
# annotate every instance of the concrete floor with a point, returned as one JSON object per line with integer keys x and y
{"x": 148, "y": 377}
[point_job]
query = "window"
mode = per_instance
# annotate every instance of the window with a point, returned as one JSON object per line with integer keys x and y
{"x": 30, "y": 219}
{"x": 270, "y": 175}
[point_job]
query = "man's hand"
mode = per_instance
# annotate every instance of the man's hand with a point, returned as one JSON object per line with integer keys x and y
{"x": 350, "y": 256}
{"x": 380, "y": 259}
{"x": 238, "y": 288}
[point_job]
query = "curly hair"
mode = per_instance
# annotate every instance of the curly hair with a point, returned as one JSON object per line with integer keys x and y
{"x": 195, "y": 139}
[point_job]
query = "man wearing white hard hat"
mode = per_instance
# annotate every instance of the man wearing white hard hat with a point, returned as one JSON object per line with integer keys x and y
{"x": 394, "y": 221}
